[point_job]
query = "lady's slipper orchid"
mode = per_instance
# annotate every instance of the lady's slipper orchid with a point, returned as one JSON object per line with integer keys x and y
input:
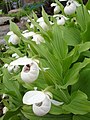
{"x": 14, "y": 39}
{"x": 42, "y": 23}
{"x": 28, "y": 34}
{"x": 38, "y": 38}
{"x": 57, "y": 8}
{"x": 5, "y": 109}
{"x": 12, "y": 68}
{"x": 61, "y": 19}
{"x": 15, "y": 55}
{"x": 70, "y": 7}
{"x": 40, "y": 101}
{"x": 30, "y": 70}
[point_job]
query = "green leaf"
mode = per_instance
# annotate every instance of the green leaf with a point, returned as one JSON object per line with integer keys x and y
{"x": 59, "y": 45}
{"x": 83, "y": 83}
{"x": 11, "y": 86}
{"x": 83, "y": 17}
{"x": 71, "y": 77}
{"x": 9, "y": 114}
{"x": 57, "y": 110}
{"x": 79, "y": 104}
{"x": 82, "y": 117}
{"x": 15, "y": 29}
{"x": 27, "y": 111}
{"x": 86, "y": 33}
{"x": 16, "y": 50}
{"x": 45, "y": 17}
{"x": 88, "y": 5}
{"x": 71, "y": 35}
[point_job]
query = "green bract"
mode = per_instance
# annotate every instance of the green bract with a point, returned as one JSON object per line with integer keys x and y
{"x": 62, "y": 54}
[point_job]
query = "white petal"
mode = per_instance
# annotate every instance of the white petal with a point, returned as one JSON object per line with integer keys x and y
{"x": 10, "y": 33}
{"x": 28, "y": 34}
{"x": 57, "y": 103}
{"x": 22, "y": 61}
{"x": 53, "y": 4}
{"x": 15, "y": 55}
{"x": 89, "y": 11}
{"x": 5, "y": 109}
{"x": 32, "y": 97}
{"x": 25, "y": 31}
{"x": 63, "y": 0}
{"x": 40, "y": 19}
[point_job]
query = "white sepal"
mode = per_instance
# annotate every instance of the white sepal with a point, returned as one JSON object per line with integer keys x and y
{"x": 21, "y": 61}
{"x": 32, "y": 97}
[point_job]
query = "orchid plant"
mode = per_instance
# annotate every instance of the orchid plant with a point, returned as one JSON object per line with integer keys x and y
{"x": 45, "y": 71}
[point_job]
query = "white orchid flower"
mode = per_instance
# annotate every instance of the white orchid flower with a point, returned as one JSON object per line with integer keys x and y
{"x": 70, "y": 7}
{"x": 28, "y": 34}
{"x": 31, "y": 25}
{"x": 14, "y": 39}
{"x": 5, "y": 109}
{"x": 61, "y": 19}
{"x": 57, "y": 8}
{"x": 4, "y": 95}
{"x": 42, "y": 23}
{"x": 11, "y": 68}
{"x": 30, "y": 71}
{"x": 38, "y": 38}
{"x": 41, "y": 102}
{"x": 89, "y": 11}
{"x": 15, "y": 55}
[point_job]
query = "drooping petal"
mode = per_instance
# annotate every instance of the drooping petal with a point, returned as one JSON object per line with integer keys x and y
{"x": 32, "y": 97}
{"x": 55, "y": 102}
